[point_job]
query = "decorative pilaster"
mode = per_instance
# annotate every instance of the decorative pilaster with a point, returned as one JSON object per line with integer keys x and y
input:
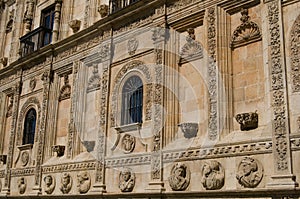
{"x": 213, "y": 126}
{"x": 156, "y": 183}
{"x": 46, "y": 78}
{"x": 16, "y": 98}
{"x": 283, "y": 177}
{"x": 56, "y": 23}
{"x": 104, "y": 54}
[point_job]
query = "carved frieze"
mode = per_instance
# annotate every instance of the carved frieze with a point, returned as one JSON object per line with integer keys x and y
{"x": 247, "y": 32}
{"x": 126, "y": 180}
{"x": 94, "y": 80}
{"x": 65, "y": 91}
{"x": 250, "y": 172}
{"x": 248, "y": 121}
{"x": 84, "y": 182}
{"x": 49, "y": 184}
{"x": 192, "y": 49}
{"x": 69, "y": 167}
{"x": 212, "y": 175}
{"x": 22, "y": 185}
{"x": 295, "y": 55}
{"x": 66, "y": 183}
{"x": 180, "y": 176}
{"x": 28, "y": 171}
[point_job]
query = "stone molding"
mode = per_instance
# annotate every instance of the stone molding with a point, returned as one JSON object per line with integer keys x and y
{"x": 68, "y": 167}
{"x": 22, "y": 172}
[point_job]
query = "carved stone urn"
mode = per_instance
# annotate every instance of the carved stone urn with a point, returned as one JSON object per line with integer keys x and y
{"x": 248, "y": 121}
{"x": 189, "y": 129}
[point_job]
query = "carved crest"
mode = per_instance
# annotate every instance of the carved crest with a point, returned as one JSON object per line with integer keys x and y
{"x": 192, "y": 49}
{"x": 84, "y": 182}
{"x": 128, "y": 143}
{"x": 250, "y": 172}
{"x": 126, "y": 180}
{"x": 32, "y": 84}
{"x": 180, "y": 177}
{"x": 132, "y": 45}
{"x": 49, "y": 181}
{"x": 65, "y": 91}
{"x": 94, "y": 80}
{"x": 212, "y": 175}
{"x": 246, "y": 33}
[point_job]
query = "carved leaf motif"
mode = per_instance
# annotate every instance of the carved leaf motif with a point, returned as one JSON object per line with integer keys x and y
{"x": 295, "y": 55}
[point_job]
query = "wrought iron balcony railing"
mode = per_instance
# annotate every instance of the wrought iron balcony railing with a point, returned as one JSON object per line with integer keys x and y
{"x": 116, "y": 5}
{"x": 35, "y": 40}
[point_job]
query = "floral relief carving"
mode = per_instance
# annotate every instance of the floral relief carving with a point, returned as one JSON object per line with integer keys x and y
{"x": 245, "y": 33}
{"x": 250, "y": 172}
{"x": 295, "y": 55}
{"x": 192, "y": 49}
{"x": 49, "y": 184}
{"x": 126, "y": 180}
{"x": 212, "y": 175}
{"x": 22, "y": 185}
{"x": 179, "y": 178}
{"x": 66, "y": 183}
{"x": 84, "y": 182}
{"x": 94, "y": 80}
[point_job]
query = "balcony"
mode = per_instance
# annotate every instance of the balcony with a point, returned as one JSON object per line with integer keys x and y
{"x": 116, "y": 5}
{"x": 35, "y": 40}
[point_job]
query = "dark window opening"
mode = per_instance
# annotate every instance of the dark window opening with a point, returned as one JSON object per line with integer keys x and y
{"x": 47, "y": 22}
{"x": 29, "y": 127}
{"x": 132, "y": 101}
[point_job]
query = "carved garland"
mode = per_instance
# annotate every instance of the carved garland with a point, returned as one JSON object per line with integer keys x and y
{"x": 31, "y": 102}
{"x": 212, "y": 75}
{"x": 137, "y": 65}
{"x": 277, "y": 85}
{"x": 295, "y": 55}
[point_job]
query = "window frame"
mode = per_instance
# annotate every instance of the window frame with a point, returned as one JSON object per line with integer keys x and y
{"x": 26, "y": 139}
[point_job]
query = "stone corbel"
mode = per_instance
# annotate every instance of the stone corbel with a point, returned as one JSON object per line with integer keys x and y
{"x": 3, "y": 158}
{"x": 103, "y": 10}
{"x": 3, "y": 61}
{"x": 189, "y": 130}
{"x": 59, "y": 149}
{"x": 248, "y": 121}
{"x": 75, "y": 25}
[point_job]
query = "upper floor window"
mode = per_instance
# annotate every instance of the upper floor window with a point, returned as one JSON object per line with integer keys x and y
{"x": 132, "y": 101}
{"x": 47, "y": 22}
{"x": 119, "y": 4}
{"x": 29, "y": 127}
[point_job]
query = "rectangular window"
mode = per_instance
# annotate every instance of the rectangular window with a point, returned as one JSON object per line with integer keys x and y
{"x": 47, "y": 22}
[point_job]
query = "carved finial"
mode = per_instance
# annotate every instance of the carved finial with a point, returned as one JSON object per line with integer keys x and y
{"x": 245, "y": 16}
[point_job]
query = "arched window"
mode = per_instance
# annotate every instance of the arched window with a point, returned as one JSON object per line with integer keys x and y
{"x": 132, "y": 101}
{"x": 29, "y": 127}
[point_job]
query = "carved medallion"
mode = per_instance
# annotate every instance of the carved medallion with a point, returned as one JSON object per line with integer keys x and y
{"x": 126, "y": 180}
{"x": 132, "y": 45}
{"x": 25, "y": 158}
{"x": 250, "y": 172}
{"x": 212, "y": 175}
{"x": 49, "y": 184}
{"x": 128, "y": 143}
{"x": 84, "y": 182}
{"x": 32, "y": 84}
{"x": 180, "y": 176}
{"x": 22, "y": 185}
{"x": 66, "y": 183}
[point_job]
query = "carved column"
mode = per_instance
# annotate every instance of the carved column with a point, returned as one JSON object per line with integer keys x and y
{"x": 158, "y": 37}
{"x": 56, "y": 23}
{"x": 46, "y": 78}
{"x": 283, "y": 177}
{"x": 9, "y": 162}
{"x": 105, "y": 55}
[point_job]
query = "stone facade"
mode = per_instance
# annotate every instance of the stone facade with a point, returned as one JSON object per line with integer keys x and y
{"x": 211, "y": 89}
